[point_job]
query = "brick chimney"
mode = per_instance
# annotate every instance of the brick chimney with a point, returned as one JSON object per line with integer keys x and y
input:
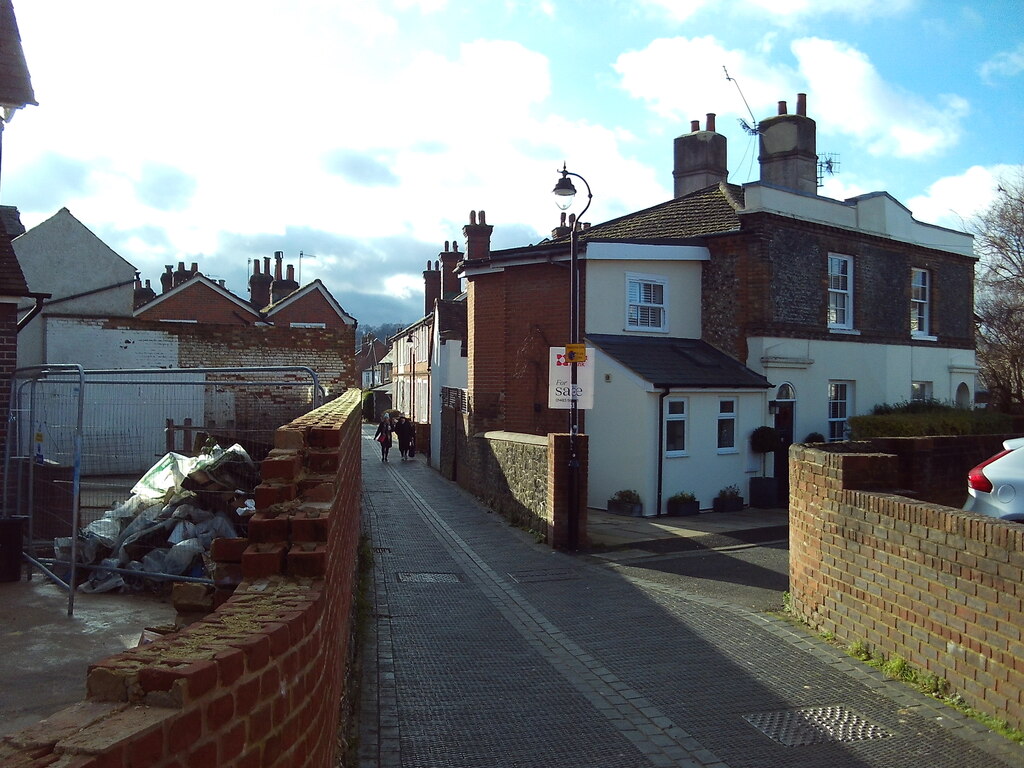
{"x": 700, "y": 158}
{"x": 432, "y": 284}
{"x": 259, "y": 285}
{"x": 167, "y": 279}
{"x": 478, "y": 237}
{"x": 181, "y": 274}
{"x": 562, "y": 230}
{"x": 451, "y": 283}
{"x": 789, "y": 157}
{"x": 282, "y": 286}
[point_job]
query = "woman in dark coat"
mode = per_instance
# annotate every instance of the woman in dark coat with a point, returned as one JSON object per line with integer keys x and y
{"x": 404, "y": 432}
{"x": 383, "y": 436}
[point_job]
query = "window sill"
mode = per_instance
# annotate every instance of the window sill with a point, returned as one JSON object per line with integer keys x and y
{"x": 844, "y": 331}
{"x": 727, "y": 451}
{"x": 923, "y": 337}
{"x": 631, "y": 329}
{"x": 676, "y": 454}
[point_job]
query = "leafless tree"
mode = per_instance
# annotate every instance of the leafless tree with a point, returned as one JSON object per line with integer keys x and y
{"x": 999, "y": 305}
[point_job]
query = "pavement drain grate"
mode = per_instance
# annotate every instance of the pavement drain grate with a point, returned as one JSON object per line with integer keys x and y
{"x": 796, "y": 728}
{"x": 430, "y": 578}
{"x": 529, "y": 577}
{"x": 382, "y": 550}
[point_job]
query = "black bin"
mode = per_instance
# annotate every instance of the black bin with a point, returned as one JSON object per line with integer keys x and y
{"x": 10, "y": 548}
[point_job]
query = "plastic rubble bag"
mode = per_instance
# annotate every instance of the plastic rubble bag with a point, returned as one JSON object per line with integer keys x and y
{"x": 101, "y": 580}
{"x": 178, "y": 559}
{"x": 164, "y": 476}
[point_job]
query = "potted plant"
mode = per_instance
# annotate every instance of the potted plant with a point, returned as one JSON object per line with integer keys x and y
{"x": 682, "y": 504}
{"x": 626, "y": 502}
{"x": 764, "y": 491}
{"x": 728, "y": 500}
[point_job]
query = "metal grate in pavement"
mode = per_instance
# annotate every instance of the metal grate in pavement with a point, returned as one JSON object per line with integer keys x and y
{"x": 797, "y": 728}
{"x": 430, "y": 578}
{"x": 382, "y": 550}
{"x": 528, "y": 577}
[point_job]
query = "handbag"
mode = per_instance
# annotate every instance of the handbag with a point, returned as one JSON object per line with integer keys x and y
{"x": 382, "y": 437}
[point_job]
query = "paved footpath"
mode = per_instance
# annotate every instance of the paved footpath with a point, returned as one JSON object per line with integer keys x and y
{"x": 491, "y": 650}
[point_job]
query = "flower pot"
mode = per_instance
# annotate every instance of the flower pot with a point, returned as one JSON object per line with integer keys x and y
{"x": 625, "y": 508}
{"x": 727, "y": 503}
{"x": 682, "y": 508}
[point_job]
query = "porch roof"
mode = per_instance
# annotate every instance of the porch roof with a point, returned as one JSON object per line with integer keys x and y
{"x": 678, "y": 363}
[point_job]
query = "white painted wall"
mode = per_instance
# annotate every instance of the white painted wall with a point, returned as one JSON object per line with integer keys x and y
{"x": 882, "y": 373}
{"x": 606, "y": 294}
{"x": 624, "y": 452}
{"x": 87, "y": 343}
{"x": 448, "y": 369}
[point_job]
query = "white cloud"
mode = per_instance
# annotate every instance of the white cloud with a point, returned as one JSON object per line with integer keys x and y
{"x": 851, "y": 98}
{"x": 953, "y": 200}
{"x": 1003, "y": 64}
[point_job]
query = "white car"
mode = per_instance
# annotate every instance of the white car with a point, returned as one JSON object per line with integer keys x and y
{"x": 996, "y": 486}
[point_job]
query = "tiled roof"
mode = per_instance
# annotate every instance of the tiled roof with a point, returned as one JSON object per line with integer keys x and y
{"x": 15, "y": 85}
{"x": 681, "y": 363}
{"x": 705, "y": 212}
{"x": 12, "y": 279}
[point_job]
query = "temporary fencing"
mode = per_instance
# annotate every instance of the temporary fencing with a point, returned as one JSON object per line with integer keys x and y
{"x": 79, "y": 440}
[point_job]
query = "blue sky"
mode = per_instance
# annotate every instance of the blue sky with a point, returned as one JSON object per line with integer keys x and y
{"x": 364, "y": 132}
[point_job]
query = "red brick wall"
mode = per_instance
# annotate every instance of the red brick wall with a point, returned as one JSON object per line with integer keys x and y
{"x": 260, "y": 681}
{"x": 197, "y": 301}
{"x": 940, "y": 587}
{"x": 514, "y": 318}
{"x": 311, "y": 308}
{"x": 8, "y": 359}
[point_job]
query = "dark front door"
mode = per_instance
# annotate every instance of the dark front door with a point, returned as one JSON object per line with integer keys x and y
{"x": 784, "y": 426}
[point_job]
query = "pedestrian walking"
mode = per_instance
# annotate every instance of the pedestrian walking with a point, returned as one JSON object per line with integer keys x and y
{"x": 383, "y": 436}
{"x": 404, "y": 431}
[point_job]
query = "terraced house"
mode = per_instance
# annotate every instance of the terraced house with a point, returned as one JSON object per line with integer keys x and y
{"x": 723, "y": 309}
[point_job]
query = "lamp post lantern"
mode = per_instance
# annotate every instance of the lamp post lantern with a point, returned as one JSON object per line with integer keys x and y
{"x": 565, "y": 193}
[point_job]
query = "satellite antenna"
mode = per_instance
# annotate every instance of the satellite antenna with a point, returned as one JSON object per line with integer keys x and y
{"x": 828, "y": 164}
{"x": 751, "y": 127}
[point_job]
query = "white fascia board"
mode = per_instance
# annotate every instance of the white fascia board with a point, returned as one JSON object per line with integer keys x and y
{"x": 608, "y": 251}
{"x": 876, "y": 213}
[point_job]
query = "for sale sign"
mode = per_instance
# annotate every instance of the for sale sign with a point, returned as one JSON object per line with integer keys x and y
{"x": 560, "y": 379}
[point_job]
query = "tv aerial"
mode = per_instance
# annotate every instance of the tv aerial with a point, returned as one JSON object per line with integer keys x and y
{"x": 751, "y": 128}
{"x": 828, "y": 165}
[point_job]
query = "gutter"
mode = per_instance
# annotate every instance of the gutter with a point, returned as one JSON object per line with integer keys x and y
{"x": 36, "y": 309}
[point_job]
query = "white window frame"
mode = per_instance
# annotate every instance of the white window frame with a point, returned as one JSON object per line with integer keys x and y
{"x": 638, "y": 278}
{"x": 840, "y": 408}
{"x": 683, "y": 417}
{"x": 920, "y": 304}
{"x": 726, "y": 416}
{"x": 840, "y": 290}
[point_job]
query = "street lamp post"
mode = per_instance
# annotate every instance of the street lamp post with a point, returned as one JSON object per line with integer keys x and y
{"x": 411, "y": 341}
{"x": 565, "y": 192}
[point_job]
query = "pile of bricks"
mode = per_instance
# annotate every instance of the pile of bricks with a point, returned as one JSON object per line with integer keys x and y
{"x": 259, "y": 680}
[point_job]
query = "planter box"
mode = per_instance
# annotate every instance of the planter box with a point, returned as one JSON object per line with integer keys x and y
{"x": 682, "y": 508}
{"x": 727, "y": 504}
{"x": 625, "y": 508}
{"x": 764, "y": 492}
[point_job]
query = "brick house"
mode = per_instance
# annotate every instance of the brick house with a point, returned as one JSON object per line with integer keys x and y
{"x": 723, "y": 309}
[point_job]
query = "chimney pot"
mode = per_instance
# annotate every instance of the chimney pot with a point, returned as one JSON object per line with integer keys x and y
{"x": 446, "y": 246}
{"x": 801, "y": 104}
{"x": 782, "y": 107}
{"x": 472, "y": 218}
{"x": 483, "y": 217}
{"x": 711, "y": 121}
{"x": 694, "y": 126}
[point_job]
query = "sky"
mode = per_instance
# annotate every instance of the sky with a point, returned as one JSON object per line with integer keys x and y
{"x": 361, "y": 133}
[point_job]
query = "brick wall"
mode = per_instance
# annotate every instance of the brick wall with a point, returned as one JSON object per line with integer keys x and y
{"x": 940, "y": 587}
{"x": 261, "y": 680}
{"x": 198, "y": 301}
{"x": 8, "y": 358}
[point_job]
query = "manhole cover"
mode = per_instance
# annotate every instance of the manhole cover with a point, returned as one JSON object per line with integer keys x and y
{"x": 526, "y": 577}
{"x": 430, "y": 578}
{"x": 796, "y": 728}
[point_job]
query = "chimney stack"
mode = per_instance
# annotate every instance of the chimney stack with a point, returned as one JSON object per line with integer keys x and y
{"x": 700, "y": 158}
{"x": 282, "y": 286}
{"x": 478, "y": 237}
{"x": 562, "y": 230}
{"x": 789, "y": 157}
{"x": 451, "y": 283}
{"x": 259, "y": 285}
{"x": 432, "y": 284}
{"x": 181, "y": 274}
{"x": 167, "y": 279}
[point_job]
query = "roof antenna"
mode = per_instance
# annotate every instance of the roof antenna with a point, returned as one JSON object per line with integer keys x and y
{"x": 751, "y": 127}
